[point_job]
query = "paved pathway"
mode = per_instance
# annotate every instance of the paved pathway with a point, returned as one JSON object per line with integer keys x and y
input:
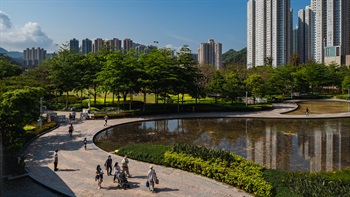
{"x": 77, "y": 166}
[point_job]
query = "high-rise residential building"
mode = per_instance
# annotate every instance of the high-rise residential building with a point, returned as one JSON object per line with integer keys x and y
{"x": 337, "y": 32}
{"x": 301, "y": 36}
{"x": 324, "y": 32}
{"x": 210, "y": 53}
{"x": 127, "y": 45}
{"x": 74, "y": 45}
{"x": 115, "y": 44}
{"x": 269, "y": 33}
{"x": 251, "y": 34}
{"x": 86, "y": 46}
{"x": 33, "y": 57}
{"x": 309, "y": 35}
{"x": 319, "y": 28}
{"x": 98, "y": 44}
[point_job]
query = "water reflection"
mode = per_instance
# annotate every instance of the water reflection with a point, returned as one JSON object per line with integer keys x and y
{"x": 291, "y": 145}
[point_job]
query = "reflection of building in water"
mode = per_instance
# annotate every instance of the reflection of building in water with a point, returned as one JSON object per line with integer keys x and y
{"x": 325, "y": 148}
{"x": 269, "y": 151}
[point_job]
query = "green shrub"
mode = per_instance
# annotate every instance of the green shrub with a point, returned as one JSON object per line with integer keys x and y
{"x": 250, "y": 179}
{"x": 145, "y": 152}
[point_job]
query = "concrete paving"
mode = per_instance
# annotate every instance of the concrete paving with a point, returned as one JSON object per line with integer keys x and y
{"x": 77, "y": 166}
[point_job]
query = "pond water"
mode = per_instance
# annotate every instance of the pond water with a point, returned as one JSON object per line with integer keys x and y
{"x": 321, "y": 107}
{"x": 286, "y": 144}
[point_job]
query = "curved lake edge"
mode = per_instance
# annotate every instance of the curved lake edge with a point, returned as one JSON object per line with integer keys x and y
{"x": 278, "y": 112}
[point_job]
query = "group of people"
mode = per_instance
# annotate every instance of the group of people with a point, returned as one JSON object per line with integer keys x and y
{"x": 118, "y": 172}
{"x": 121, "y": 173}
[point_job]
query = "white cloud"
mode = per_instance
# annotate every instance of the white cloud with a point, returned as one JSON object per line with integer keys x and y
{"x": 19, "y": 38}
{"x": 170, "y": 46}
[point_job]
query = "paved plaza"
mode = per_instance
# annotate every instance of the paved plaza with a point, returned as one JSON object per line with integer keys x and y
{"x": 77, "y": 166}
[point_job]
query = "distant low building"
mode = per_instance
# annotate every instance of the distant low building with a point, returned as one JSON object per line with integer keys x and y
{"x": 33, "y": 57}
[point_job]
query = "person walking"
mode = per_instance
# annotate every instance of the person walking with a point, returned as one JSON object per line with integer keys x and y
{"x": 152, "y": 179}
{"x": 85, "y": 142}
{"x": 116, "y": 171}
{"x": 99, "y": 176}
{"x": 108, "y": 165}
{"x": 106, "y": 118}
{"x": 70, "y": 130}
{"x": 307, "y": 111}
{"x": 125, "y": 165}
{"x": 55, "y": 162}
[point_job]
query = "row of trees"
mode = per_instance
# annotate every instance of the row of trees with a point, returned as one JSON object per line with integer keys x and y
{"x": 157, "y": 72}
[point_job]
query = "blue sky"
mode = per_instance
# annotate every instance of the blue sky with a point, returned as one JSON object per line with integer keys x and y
{"x": 173, "y": 23}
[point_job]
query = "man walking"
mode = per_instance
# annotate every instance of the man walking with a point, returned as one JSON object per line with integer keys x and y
{"x": 125, "y": 166}
{"x": 109, "y": 165}
{"x": 106, "y": 118}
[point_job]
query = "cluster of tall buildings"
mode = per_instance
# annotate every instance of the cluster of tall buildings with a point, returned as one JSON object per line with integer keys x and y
{"x": 322, "y": 33}
{"x": 33, "y": 56}
{"x": 208, "y": 53}
{"x": 115, "y": 44}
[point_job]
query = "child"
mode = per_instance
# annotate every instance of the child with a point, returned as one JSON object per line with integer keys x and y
{"x": 85, "y": 142}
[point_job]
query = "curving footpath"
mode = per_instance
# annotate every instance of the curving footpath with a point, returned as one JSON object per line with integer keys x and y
{"x": 77, "y": 166}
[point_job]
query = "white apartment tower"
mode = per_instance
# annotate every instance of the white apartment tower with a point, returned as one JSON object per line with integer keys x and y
{"x": 318, "y": 43}
{"x": 33, "y": 56}
{"x": 269, "y": 33}
{"x": 331, "y": 36}
{"x": 210, "y": 53}
{"x": 301, "y": 36}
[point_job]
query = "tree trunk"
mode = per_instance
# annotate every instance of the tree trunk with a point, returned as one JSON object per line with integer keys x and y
{"x": 81, "y": 97}
{"x": 130, "y": 102}
{"x": 67, "y": 100}
{"x": 95, "y": 93}
{"x": 144, "y": 101}
{"x": 113, "y": 99}
{"x": 104, "y": 102}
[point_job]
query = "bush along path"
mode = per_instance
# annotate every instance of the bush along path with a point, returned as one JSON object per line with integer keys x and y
{"x": 234, "y": 170}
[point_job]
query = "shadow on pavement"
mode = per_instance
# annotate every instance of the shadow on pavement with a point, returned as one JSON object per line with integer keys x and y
{"x": 53, "y": 181}
{"x": 165, "y": 189}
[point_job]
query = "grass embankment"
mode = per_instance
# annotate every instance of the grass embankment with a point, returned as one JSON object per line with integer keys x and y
{"x": 13, "y": 161}
{"x": 234, "y": 170}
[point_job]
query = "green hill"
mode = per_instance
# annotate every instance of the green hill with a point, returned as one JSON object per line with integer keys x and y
{"x": 235, "y": 57}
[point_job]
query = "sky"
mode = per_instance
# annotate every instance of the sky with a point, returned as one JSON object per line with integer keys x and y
{"x": 173, "y": 23}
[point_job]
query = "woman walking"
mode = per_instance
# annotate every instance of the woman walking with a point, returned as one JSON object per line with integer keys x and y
{"x": 152, "y": 178}
{"x": 116, "y": 171}
{"x": 99, "y": 176}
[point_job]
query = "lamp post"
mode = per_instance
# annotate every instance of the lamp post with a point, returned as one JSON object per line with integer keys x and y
{"x": 41, "y": 113}
{"x": 246, "y": 98}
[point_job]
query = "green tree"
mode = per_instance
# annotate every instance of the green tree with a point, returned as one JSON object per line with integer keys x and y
{"x": 232, "y": 87}
{"x": 7, "y": 69}
{"x": 18, "y": 108}
{"x": 188, "y": 74}
{"x": 255, "y": 85}
{"x": 215, "y": 85}
{"x": 64, "y": 72}
{"x": 346, "y": 84}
